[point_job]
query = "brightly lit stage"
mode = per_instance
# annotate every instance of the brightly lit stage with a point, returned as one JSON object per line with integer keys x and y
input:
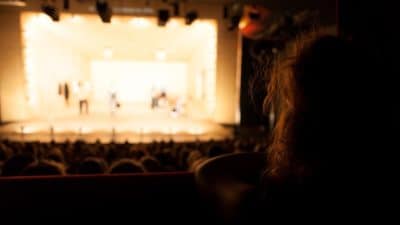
{"x": 132, "y": 59}
{"x": 152, "y": 126}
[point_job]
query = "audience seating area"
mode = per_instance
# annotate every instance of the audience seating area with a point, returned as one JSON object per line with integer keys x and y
{"x": 35, "y": 158}
{"x": 139, "y": 182}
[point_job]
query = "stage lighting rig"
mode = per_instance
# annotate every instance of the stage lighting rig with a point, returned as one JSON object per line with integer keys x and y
{"x": 104, "y": 10}
{"x": 175, "y": 5}
{"x": 233, "y": 13}
{"x": 51, "y": 11}
{"x": 176, "y": 8}
{"x": 163, "y": 17}
{"x": 190, "y": 17}
{"x": 66, "y": 5}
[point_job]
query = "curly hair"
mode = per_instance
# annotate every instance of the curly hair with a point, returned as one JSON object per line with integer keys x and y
{"x": 301, "y": 84}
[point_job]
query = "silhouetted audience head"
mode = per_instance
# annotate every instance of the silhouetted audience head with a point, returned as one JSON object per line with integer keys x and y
{"x": 194, "y": 159}
{"x": 150, "y": 164}
{"x": 14, "y": 165}
{"x": 315, "y": 92}
{"x": 215, "y": 150}
{"x": 135, "y": 153}
{"x": 92, "y": 165}
{"x": 5, "y": 152}
{"x": 56, "y": 155}
{"x": 44, "y": 167}
{"x": 193, "y": 167}
{"x": 94, "y": 158}
{"x": 182, "y": 158}
{"x": 193, "y": 156}
{"x": 126, "y": 166}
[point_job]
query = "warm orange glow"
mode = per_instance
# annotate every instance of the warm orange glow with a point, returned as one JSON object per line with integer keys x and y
{"x": 243, "y": 24}
{"x": 127, "y": 79}
{"x": 79, "y": 48}
{"x": 131, "y": 128}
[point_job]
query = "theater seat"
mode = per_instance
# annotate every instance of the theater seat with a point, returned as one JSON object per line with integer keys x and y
{"x": 228, "y": 185}
{"x": 170, "y": 198}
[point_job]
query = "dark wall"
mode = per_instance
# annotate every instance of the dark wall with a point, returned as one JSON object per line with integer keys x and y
{"x": 372, "y": 25}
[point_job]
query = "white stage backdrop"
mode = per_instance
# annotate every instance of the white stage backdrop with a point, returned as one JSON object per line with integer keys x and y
{"x": 134, "y": 81}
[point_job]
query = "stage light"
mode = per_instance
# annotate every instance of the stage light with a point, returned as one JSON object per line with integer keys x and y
{"x": 225, "y": 12}
{"x": 163, "y": 17}
{"x": 140, "y": 22}
{"x": 242, "y": 24}
{"x": 235, "y": 13}
{"x": 66, "y": 5}
{"x": 252, "y": 24}
{"x": 161, "y": 55}
{"x": 234, "y": 22}
{"x": 51, "y": 11}
{"x": 104, "y": 10}
{"x": 190, "y": 17}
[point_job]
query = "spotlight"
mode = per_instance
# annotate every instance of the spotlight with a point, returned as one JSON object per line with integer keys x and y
{"x": 51, "y": 11}
{"x": 190, "y": 17}
{"x": 163, "y": 17}
{"x": 225, "y": 12}
{"x": 234, "y": 13}
{"x": 234, "y": 22}
{"x": 66, "y": 5}
{"x": 104, "y": 10}
{"x": 175, "y": 6}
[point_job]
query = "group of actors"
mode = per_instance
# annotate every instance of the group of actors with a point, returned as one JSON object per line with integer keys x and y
{"x": 82, "y": 91}
{"x": 159, "y": 98}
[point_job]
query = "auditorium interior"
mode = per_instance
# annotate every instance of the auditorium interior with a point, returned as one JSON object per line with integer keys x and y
{"x": 136, "y": 110}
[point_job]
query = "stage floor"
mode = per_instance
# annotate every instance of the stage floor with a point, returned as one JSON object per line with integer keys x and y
{"x": 137, "y": 128}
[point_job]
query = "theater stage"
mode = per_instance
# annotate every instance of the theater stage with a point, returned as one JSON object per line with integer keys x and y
{"x": 133, "y": 128}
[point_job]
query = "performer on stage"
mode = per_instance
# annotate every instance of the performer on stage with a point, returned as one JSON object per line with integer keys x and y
{"x": 114, "y": 104}
{"x": 154, "y": 97}
{"x": 162, "y": 100}
{"x": 83, "y": 96}
{"x": 66, "y": 93}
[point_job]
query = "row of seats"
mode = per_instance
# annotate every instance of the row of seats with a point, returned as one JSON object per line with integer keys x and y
{"x": 35, "y": 158}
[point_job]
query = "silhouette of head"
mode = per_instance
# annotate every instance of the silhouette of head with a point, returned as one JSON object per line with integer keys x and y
{"x": 126, "y": 166}
{"x": 92, "y": 165}
{"x": 14, "y": 165}
{"x": 44, "y": 167}
{"x": 313, "y": 90}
